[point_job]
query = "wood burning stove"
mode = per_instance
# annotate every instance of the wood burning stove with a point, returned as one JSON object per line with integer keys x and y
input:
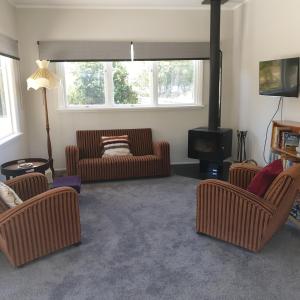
{"x": 212, "y": 145}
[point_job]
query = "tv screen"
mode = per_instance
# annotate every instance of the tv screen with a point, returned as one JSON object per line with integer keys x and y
{"x": 279, "y": 77}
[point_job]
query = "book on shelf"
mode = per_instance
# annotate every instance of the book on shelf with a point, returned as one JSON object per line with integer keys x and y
{"x": 284, "y": 137}
{"x": 295, "y": 212}
{"x": 291, "y": 141}
{"x": 279, "y": 135}
{"x": 273, "y": 156}
{"x": 286, "y": 163}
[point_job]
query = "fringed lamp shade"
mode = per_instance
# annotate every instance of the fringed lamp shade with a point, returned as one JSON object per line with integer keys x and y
{"x": 45, "y": 79}
{"x": 42, "y": 77}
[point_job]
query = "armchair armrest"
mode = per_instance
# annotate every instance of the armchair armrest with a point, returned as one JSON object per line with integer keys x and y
{"x": 241, "y": 174}
{"x": 232, "y": 214}
{"x": 28, "y": 185}
{"x": 162, "y": 150}
{"x": 72, "y": 159}
{"x": 41, "y": 225}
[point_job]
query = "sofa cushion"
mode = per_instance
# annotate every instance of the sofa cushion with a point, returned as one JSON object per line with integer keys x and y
{"x": 115, "y": 146}
{"x": 118, "y": 167}
{"x": 264, "y": 178}
{"x": 8, "y": 196}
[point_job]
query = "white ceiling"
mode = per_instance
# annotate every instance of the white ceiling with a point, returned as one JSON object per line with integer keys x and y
{"x": 176, "y": 4}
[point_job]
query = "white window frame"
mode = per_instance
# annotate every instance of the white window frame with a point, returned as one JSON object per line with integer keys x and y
{"x": 10, "y": 87}
{"x": 109, "y": 93}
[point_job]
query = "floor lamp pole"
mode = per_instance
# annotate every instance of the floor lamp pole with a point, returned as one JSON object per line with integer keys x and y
{"x": 49, "y": 147}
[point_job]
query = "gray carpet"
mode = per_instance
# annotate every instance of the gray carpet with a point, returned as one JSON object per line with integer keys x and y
{"x": 139, "y": 243}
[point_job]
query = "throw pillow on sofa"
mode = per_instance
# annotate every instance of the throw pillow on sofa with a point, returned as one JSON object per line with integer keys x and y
{"x": 115, "y": 146}
{"x": 8, "y": 196}
{"x": 264, "y": 178}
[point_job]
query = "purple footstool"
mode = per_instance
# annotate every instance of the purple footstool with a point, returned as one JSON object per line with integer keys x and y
{"x": 71, "y": 181}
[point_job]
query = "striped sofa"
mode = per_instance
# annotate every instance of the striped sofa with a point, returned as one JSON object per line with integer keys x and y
{"x": 149, "y": 159}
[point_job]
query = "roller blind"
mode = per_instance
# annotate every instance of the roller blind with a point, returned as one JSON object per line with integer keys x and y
{"x": 171, "y": 51}
{"x": 59, "y": 51}
{"x": 9, "y": 47}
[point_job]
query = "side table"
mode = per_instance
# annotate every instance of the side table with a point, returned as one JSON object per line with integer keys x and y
{"x": 13, "y": 168}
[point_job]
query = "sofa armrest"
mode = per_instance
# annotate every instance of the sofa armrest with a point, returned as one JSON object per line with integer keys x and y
{"x": 232, "y": 214}
{"x": 72, "y": 159}
{"x": 162, "y": 150}
{"x": 28, "y": 185}
{"x": 41, "y": 225}
{"x": 241, "y": 174}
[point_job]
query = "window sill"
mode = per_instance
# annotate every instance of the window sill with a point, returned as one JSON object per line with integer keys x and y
{"x": 129, "y": 108}
{"x": 9, "y": 139}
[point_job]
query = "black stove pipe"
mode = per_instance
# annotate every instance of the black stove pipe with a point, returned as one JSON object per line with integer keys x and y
{"x": 214, "y": 92}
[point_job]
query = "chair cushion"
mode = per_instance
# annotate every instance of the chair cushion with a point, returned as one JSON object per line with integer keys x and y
{"x": 8, "y": 196}
{"x": 115, "y": 146}
{"x": 264, "y": 178}
{"x": 3, "y": 206}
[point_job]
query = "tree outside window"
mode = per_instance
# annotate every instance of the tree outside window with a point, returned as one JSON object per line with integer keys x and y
{"x": 131, "y": 83}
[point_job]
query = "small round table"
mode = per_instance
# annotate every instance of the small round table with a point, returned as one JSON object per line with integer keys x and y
{"x": 13, "y": 168}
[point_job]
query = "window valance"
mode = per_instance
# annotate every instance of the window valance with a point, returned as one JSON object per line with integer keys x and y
{"x": 9, "y": 47}
{"x": 171, "y": 51}
{"x": 58, "y": 51}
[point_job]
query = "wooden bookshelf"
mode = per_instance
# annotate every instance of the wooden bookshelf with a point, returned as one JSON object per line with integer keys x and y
{"x": 287, "y": 155}
{"x": 278, "y": 128}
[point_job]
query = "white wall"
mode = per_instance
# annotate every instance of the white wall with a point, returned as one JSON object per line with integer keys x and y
{"x": 136, "y": 25}
{"x": 16, "y": 148}
{"x": 263, "y": 30}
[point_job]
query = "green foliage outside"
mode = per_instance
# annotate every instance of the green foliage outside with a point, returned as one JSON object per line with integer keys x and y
{"x": 2, "y": 99}
{"x": 88, "y": 85}
{"x": 175, "y": 77}
{"x": 123, "y": 92}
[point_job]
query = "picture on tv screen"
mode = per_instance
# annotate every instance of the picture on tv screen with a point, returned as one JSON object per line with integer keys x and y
{"x": 279, "y": 77}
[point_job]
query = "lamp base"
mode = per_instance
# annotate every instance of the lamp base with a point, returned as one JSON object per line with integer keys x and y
{"x": 51, "y": 167}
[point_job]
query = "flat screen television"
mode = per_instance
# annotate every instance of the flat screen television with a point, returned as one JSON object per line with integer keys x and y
{"x": 279, "y": 77}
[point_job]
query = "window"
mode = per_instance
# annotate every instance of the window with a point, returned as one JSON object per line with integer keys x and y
{"x": 84, "y": 83}
{"x": 131, "y": 84}
{"x": 8, "y": 118}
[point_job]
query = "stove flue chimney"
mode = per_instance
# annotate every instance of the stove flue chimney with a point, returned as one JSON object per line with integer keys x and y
{"x": 214, "y": 93}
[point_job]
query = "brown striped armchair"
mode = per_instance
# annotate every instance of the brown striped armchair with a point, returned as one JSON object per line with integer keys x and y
{"x": 47, "y": 221}
{"x": 227, "y": 211}
{"x": 149, "y": 159}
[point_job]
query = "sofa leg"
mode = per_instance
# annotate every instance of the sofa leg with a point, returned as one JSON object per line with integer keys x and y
{"x": 77, "y": 244}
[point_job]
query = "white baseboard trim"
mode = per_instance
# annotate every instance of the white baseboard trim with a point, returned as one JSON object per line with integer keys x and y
{"x": 60, "y": 169}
